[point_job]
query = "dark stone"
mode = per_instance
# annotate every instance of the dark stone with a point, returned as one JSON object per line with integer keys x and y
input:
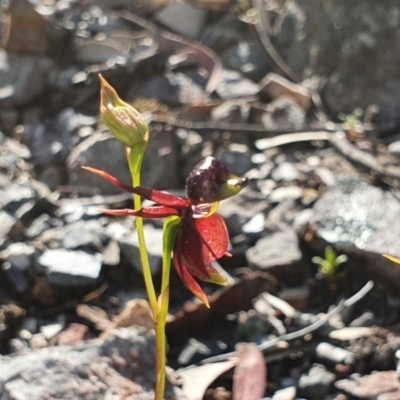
{"x": 348, "y": 43}
{"x": 316, "y": 383}
{"x": 247, "y": 57}
{"x": 70, "y": 268}
{"x": 15, "y": 277}
{"x": 237, "y": 158}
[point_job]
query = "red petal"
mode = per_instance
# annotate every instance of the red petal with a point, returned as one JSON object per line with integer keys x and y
{"x": 112, "y": 179}
{"x": 158, "y": 197}
{"x": 214, "y": 235}
{"x": 162, "y": 198}
{"x": 188, "y": 280}
{"x": 146, "y": 212}
{"x": 201, "y": 241}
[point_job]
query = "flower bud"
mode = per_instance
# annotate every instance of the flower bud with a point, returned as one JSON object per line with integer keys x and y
{"x": 124, "y": 122}
{"x": 211, "y": 181}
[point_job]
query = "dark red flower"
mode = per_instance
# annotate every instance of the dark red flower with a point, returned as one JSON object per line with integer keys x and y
{"x": 202, "y": 235}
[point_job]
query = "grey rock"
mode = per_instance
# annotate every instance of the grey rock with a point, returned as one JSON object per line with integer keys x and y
{"x": 38, "y": 226}
{"x": 120, "y": 366}
{"x": 316, "y": 383}
{"x": 22, "y": 77}
{"x": 349, "y": 38}
{"x": 239, "y": 210}
{"x": 18, "y": 255}
{"x": 83, "y": 234}
{"x": 129, "y": 246}
{"x": 279, "y": 249}
{"x": 234, "y": 85}
{"x": 70, "y": 268}
{"x": 357, "y": 217}
{"x": 28, "y": 200}
{"x": 182, "y": 18}
{"x": 16, "y": 195}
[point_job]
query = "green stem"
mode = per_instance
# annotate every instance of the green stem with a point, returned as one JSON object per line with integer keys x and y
{"x": 135, "y": 159}
{"x": 170, "y": 230}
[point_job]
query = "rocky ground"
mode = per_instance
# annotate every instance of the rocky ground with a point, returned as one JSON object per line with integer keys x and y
{"x": 274, "y": 89}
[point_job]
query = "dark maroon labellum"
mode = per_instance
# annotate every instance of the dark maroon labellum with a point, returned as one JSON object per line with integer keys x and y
{"x": 211, "y": 181}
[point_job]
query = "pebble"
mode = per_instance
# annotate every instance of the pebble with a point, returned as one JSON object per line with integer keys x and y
{"x": 285, "y": 172}
{"x": 182, "y": 17}
{"x": 316, "y": 383}
{"x": 70, "y": 268}
{"x": 275, "y": 250}
{"x": 83, "y": 234}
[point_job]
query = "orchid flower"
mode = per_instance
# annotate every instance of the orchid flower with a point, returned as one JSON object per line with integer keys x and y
{"x": 201, "y": 235}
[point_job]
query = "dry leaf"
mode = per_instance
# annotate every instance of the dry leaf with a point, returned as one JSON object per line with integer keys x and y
{"x": 196, "y": 380}
{"x": 249, "y": 379}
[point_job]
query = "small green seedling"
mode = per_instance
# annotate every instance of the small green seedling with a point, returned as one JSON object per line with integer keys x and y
{"x": 329, "y": 265}
{"x": 352, "y": 121}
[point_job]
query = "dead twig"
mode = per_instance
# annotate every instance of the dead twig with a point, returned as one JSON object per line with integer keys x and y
{"x": 301, "y": 333}
{"x": 267, "y": 143}
{"x": 263, "y": 27}
{"x": 360, "y": 157}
